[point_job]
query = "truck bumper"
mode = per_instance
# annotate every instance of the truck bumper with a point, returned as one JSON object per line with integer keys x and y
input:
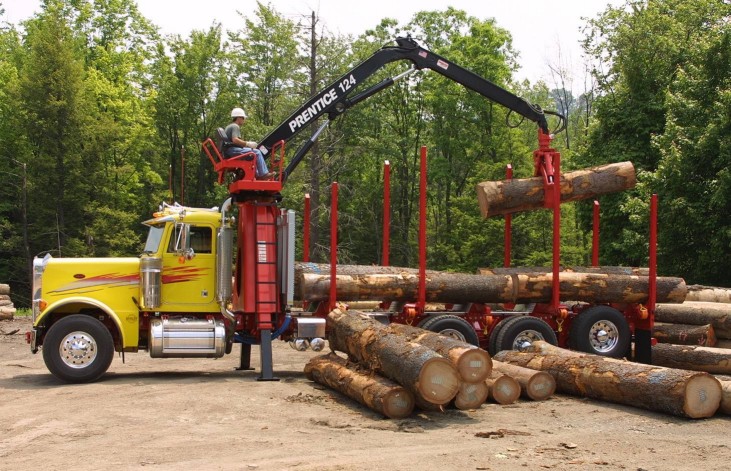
{"x": 30, "y": 337}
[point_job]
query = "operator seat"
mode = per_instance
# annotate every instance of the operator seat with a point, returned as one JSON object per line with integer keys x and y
{"x": 245, "y": 167}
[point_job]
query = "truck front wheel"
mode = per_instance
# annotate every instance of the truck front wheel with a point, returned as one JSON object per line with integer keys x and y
{"x": 78, "y": 349}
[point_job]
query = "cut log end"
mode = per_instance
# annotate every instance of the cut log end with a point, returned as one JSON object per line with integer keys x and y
{"x": 398, "y": 404}
{"x": 541, "y": 386}
{"x": 703, "y": 396}
{"x": 438, "y": 381}
{"x": 474, "y": 366}
{"x": 503, "y": 389}
{"x": 471, "y": 395}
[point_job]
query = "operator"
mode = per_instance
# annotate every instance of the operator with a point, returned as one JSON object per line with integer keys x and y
{"x": 239, "y": 146}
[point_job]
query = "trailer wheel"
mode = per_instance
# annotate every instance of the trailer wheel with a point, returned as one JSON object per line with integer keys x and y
{"x": 78, "y": 349}
{"x": 492, "y": 339}
{"x": 601, "y": 330}
{"x": 520, "y": 331}
{"x": 452, "y": 326}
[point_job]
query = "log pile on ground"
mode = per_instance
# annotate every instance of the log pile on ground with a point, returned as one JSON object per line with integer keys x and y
{"x": 362, "y": 283}
{"x": 421, "y": 370}
{"x": 391, "y": 368}
{"x": 510, "y": 196}
{"x": 711, "y": 294}
{"x": 678, "y": 392}
{"x": 7, "y": 309}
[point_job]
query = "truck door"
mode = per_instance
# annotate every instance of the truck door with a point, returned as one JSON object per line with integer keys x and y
{"x": 189, "y": 275}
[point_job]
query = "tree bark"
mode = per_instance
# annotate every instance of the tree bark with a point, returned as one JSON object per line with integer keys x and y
{"x": 684, "y": 334}
{"x": 471, "y": 396}
{"x": 6, "y": 313}
{"x": 678, "y": 392}
{"x": 609, "y": 270}
{"x": 380, "y": 394}
{"x": 698, "y": 313}
{"x": 502, "y": 388}
{"x": 525, "y": 194}
{"x": 726, "y": 400}
{"x": 691, "y": 357}
{"x": 535, "y": 385}
{"x": 4, "y": 289}
{"x": 473, "y": 363}
{"x": 710, "y": 294}
{"x": 417, "y": 368}
{"x": 443, "y": 287}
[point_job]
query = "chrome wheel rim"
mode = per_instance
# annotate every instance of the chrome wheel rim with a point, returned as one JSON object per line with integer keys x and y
{"x": 603, "y": 336}
{"x": 525, "y": 338}
{"x": 77, "y": 350}
{"x": 453, "y": 333}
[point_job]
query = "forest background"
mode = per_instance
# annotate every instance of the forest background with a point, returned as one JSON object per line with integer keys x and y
{"x": 102, "y": 119}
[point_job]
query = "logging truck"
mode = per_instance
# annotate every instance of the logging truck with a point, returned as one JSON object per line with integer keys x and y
{"x": 177, "y": 298}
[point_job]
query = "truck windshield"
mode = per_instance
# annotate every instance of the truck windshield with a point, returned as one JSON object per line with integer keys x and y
{"x": 153, "y": 238}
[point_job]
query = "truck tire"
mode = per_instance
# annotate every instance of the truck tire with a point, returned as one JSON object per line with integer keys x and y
{"x": 520, "y": 331}
{"x": 601, "y": 330}
{"x": 451, "y": 326}
{"x": 78, "y": 349}
{"x": 492, "y": 339}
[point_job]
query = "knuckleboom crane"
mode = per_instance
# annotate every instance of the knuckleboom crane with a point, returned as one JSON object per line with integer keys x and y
{"x": 265, "y": 253}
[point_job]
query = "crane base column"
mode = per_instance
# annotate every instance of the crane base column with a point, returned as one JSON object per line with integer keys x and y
{"x": 267, "y": 364}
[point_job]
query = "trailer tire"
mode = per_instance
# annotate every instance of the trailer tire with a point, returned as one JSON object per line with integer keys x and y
{"x": 520, "y": 330}
{"x": 451, "y": 326}
{"x": 78, "y": 349}
{"x": 492, "y": 339}
{"x": 600, "y": 330}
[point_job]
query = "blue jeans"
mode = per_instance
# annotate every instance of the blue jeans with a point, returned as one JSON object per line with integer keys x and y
{"x": 261, "y": 166}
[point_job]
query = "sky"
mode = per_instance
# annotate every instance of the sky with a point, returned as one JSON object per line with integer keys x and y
{"x": 543, "y": 32}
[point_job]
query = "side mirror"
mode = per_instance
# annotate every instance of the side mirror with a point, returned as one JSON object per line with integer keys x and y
{"x": 182, "y": 241}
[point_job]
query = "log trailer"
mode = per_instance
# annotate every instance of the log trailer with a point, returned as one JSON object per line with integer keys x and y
{"x": 177, "y": 298}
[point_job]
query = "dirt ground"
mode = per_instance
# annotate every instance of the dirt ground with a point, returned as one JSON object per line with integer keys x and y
{"x": 202, "y": 414}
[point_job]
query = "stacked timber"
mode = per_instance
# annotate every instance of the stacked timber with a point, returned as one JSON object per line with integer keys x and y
{"x": 711, "y": 294}
{"x": 7, "y": 309}
{"x": 515, "y": 195}
{"x": 679, "y": 392}
{"x": 692, "y": 357}
{"x": 718, "y": 315}
{"x": 535, "y": 385}
{"x": 375, "y": 283}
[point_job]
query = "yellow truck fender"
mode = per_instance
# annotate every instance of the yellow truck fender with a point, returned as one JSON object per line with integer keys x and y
{"x": 83, "y": 302}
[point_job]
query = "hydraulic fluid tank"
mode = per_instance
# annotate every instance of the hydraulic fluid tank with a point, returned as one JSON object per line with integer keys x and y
{"x": 150, "y": 282}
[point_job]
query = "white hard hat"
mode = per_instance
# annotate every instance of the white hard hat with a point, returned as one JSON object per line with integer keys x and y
{"x": 238, "y": 113}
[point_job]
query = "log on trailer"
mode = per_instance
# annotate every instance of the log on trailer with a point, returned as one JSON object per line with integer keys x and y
{"x": 685, "y": 334}
{"x": 473, "y": 363}
{"x": 443, "y": 287}
{"x": 711, "y": 294}
{"x": 502, "y": 388}
{"x": 608, "y": 269}
{"x": 692, "y": 357}
{"x": 679, "y": 392}
{"x": 471, "y": 395}
{"x": 697, "y": 313}
{"x": 535, "y": 385}
{"x": 419, "y": 369}
{"x": 525, "y": 194}
{"x": 378, "y": 393}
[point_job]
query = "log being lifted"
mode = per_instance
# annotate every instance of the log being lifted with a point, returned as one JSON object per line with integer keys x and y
{"x": 678, "y": 392}
{"x": 525, "y": 194}
{"x": 502, "y": 388}
{"x": 535, "y": 385}
{"x": 419, "y": 369}
{"x": 711, "y": 294}
{"x": 726, "y": 400}
{"x": 473, "y": 363}
{"x": 378, "y": 393}
{"x": 691, "y": 357}
{"x": 697, "y": 313}
{"x": 4, "y": 289}
{"x": 685, "y": 334}
{"x": 400, "y": 284}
